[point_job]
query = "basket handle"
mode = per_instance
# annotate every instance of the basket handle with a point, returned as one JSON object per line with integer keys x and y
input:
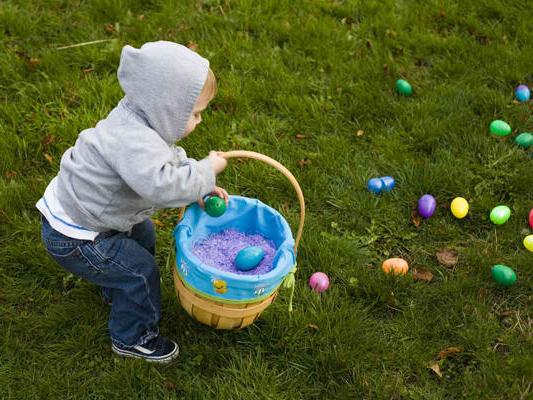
{"x": 283, "y": 170}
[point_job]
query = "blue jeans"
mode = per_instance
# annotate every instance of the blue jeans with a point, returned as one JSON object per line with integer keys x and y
{"x": 124, "y": 266}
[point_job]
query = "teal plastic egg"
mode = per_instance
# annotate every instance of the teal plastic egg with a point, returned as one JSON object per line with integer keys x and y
{"x": 404, "y": 87}
{"x": 524, "y": 140}
{"x": 215, "y": 206}
{"x": 503, "y": 275}
{"x": 499, "y": 128}
{"x": 249, "y": 258}
{"x": 499, "y": 215}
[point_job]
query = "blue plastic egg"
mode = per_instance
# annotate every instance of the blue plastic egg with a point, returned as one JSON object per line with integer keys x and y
{"x": 388, "y": 183}
{"x": 375, "y": 185}
{"x": 249, "y": 258}
{"x": 522, "y": 93}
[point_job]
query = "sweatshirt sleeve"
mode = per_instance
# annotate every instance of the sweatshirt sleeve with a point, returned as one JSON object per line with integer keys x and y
{"x": 153, "y": 170}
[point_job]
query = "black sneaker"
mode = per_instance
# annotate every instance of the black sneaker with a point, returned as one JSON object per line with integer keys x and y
{"x": 159, "y": 349}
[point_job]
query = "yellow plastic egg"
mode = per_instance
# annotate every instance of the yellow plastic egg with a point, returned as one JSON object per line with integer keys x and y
{"x": 459, "y": 207}
{"x": 528, "y": 242}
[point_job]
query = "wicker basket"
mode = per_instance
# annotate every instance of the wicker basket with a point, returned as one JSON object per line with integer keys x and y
{"x": 234, "y": 316}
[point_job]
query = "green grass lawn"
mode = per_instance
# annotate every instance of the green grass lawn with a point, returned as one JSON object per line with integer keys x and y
{"x": 325, "y": 70}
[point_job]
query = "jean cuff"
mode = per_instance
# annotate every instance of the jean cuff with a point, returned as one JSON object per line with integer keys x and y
{"x": 146, "y": 337}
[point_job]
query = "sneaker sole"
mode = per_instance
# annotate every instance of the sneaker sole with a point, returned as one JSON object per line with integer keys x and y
{"x": 163, "y": 359}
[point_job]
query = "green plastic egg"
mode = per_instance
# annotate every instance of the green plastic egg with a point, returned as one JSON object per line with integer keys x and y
{"x": 404, "y": 87}
{"x": 499, "y": 128}
{"x": 503, "y": 275}
{"x": 524, "y": 140}
{"x": 215, "y": 206}
{"x": 499, "y": 215}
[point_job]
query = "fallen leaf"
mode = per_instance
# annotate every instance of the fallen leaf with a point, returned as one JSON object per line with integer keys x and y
{"x": 360, "y": 133}
{"x": 448, "y": 257}
{"x": 442, "y": 13}
{"x": 109, "y": 28}
{"x": 11, "y": 174}
{"x": 192, "y": 45}
{"x": 48, "y": 139}
{"x": 33, "y": 62}
{"x": 422, "y": 274}
{"x": 88, "y": 70}
{"x": 313, "y": 326}
{"x": 415, "y": 218}
{"x": 304, "y": 162}
{"x": 299, "y": 136}
{"x": 436, "y": 368}
{"x": 49, "y": 158}
{"x": 169, "y": 385}
{"x": 450, "y": 351}
{"x": 140, "y": 17}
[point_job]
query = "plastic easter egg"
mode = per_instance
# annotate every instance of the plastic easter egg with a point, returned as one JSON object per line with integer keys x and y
{"x": 522, "y": 93}
{"x": 388, "y": 183}
{"x": 396, "y": 266}
{"x": 375, "y": 185}
{"x": 531, "y": 219}
{"x": 426, "y": 205}
{"x": 319, "y": 282}
{"x": 528, "y": 242}
{"x": 499, "y": 215}
{"x": 524, "y": 140}
{"x": 249, "y": 258}
{"x": 499, "y": 128}
{"x": 503, "y": 275}
{"x": 403, "y": 87}
{"x": 215, "y": 206}
{"x": 459, "y": 207}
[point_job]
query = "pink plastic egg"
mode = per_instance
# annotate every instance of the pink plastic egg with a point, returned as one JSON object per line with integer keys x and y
{"x": 319, "y": 282}
{"x": 531, "y": 219}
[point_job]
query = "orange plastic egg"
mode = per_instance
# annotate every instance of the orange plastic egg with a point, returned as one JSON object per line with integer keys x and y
{"x": 397, "y": 266}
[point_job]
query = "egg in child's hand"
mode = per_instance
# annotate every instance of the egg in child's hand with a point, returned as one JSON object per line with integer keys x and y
{"x": 215, "y": 206}
{"x": 249, "y": 258}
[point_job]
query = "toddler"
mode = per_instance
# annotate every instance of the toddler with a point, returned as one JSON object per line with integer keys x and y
{"x": 95, "y": 212}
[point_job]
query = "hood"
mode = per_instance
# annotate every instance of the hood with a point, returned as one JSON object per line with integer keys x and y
{"x": 162, "y": 81}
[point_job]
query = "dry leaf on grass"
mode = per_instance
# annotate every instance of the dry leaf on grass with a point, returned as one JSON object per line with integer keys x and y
{"x": 300, "y": 136}
{"x": 447, "y": 257}
{"x": 422, "y": 274}
{"x": 48, "y": 139}
{"x": 360, "y": 133}
{"x": 313, "y": 326}
{"x": 304, "y": 162}
{"x": 435, "y": 367}
{"x": 192, "y": 45}
{"x": 49, "y": 158}
{"x": 415, "y": 218}
{"x": 450, "y": 351}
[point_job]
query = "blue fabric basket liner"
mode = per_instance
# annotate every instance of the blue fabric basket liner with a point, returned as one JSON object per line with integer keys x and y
{"x": 249, "y": 216}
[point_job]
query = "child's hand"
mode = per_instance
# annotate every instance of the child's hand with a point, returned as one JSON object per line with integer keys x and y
{"x": 217, "y": 192}
{"x": 219, "y": 163}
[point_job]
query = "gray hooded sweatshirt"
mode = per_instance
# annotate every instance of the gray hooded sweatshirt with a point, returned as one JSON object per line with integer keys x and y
{"x": 121, "y": 171}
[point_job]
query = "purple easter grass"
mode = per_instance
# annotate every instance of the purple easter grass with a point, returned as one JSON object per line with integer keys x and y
{"x": 219, "y": 250}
